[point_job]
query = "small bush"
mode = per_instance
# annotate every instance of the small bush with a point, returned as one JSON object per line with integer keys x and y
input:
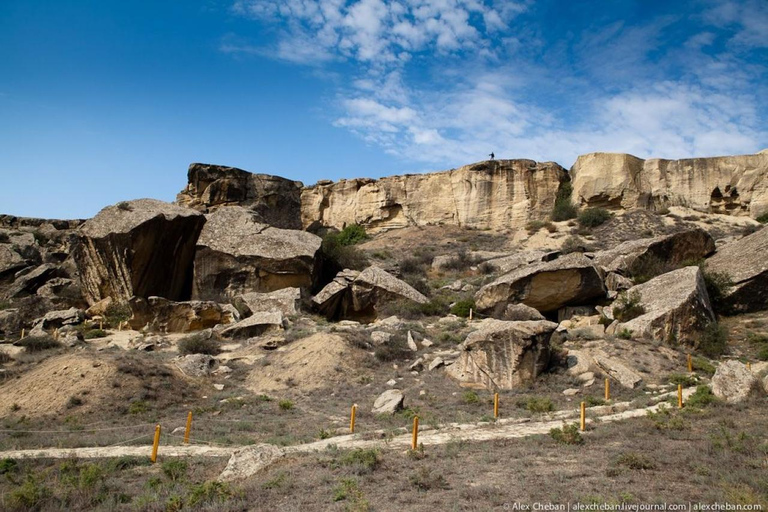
{"x": 410, "y": 310}
{"x": 573, "y": 244}
{"x": 396, "y": 349}
{"x": 625, "y": 334}
{"x": 4, "y": 238}
{"x": 138, "y": 407}
{"x": 702, "y": 365}
{"x": 175, "y": 469}
{"x": 361, "y": 460}
{"x": 209, "y": 492}
{"x": 74, "y": 401}
{"x": 199, "y": 343}
{"x": 352, "y": 234}
{"x": 713, "y": 340}
{"x": 535, "y": 225}
{"x": 38, "y": 343}
{"x": 342, "y": 255}
{"x": 425, "y": 480}
{"x": 701, "y": 398}
{"x": 8, "y": 466}
{"x": 125, "y": 206}
{"x": 593, "y": 217}
{"x": 763, "y": 219}
{"x": 564, "y": 208}
{"x": 718, "y": 284}
{"x": 470, "y": 397}
{"x": 460, "y": 261}
{"x": 116, "y": 313}
{"x": 627, "y": 307}
{"x": 569, "y": 434}
{"x": 5, "y": 357}
{"x": 682, "y": 378}
{"x": 592, "y": 401}
{"x": 461, "y": 308}
{"x": 30, "y": 495}
{"x": 537, "y": 404}
{"x": 94, "y": 333}
{"x": 635, "y": 461}
{"x": 285, "y": 405}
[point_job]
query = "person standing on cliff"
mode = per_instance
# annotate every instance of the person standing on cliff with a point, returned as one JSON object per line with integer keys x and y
{"x": 492, "y": 156}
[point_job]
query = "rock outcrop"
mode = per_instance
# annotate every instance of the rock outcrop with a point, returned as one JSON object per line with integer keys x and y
{"x": 157, "y": 314}
{"x": 676, "y": 307}
{"x": 138, "y": 248}
{"x": 389, "y": 402}
{"x": 733, "y": 382}
{"x": 354, "y": 295}
{"x": 546, "y": 286}
{"x": 237, "y": 254}
{"x": 745, "y": 262}
{"x": 736, "y": 185}
{"x": 255, "y": 325}
{"x": 274, "y": 200}
{"x": 691, "y": 245}
{"x": 503, "y": 355}
{"x": 499, "y": 194}
{"x": 286, "y": 301}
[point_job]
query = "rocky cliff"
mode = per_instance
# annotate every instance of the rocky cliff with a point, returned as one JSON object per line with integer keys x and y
{"x": 735, "y": 185}
{"x": 493, "y": 194}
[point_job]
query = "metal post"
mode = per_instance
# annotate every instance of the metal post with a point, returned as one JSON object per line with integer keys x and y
{"x": 155, "y": 444}
{"x": 415, "y": 440}
{"x": 352, "y": 419}
{"x": 583, "y": 416}
{"x": 189, "y": 428}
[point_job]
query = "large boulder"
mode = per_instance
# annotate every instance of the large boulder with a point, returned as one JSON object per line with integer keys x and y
{"x": 237, "y": 254}
{"x": 255, "y": 325}
{"x": 745, "y": 262}
{"x": 733, "y": 382}
{"x": 389, "y": 402}
{"x": 29, "y": 282}
{"x": 157, "y": 314}
{"x": 274, "y": 200}
{"x": 546, "y": 286}
{"x": 355, "y": 294}
{"x": 10, "y": 261}
{"x": 286, "y": 301}
{"x": 138, "y": 248}
{"x": 735, "y": 185}
{"x": 503, "y": 355}
{"x": 690, "y": 245}
{"x": 248, "y": 461}
{"x": 676, "y": 307}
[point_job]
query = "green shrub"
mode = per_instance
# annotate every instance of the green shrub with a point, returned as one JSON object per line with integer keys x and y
{"x": 94, "y": 333}
{"x": 175, "y": 469}
{"x": 8, "y": 466}
{"x": 627, "y": 307}
{"x": 573, "y": 244}
{"x": 425, "y": 480}
{"x": 361, "y": 460}
{"x": 351, "y": 235}
{"x": 535, "y": 225}
{"x": 763, "y": 219}
{"x": 342, "y": 255}
{"x": 410, "y": 310}
{"x": 564, "y": 208}
{"x": 592, "y": 401}
{"x": 636, "y": 461}
{"x": 713, "y": 340}
{"x": 38, "y": 343}
{"x": 396, "y": 349}
{"x": 116, "y": 313}
{"x": 718, "y": 284}
{"x": 285, "y": 405}
{"x": 625, "y": 334}
{"x": 209, "y": 492}
{"x": 125, "y": 206}
{"x": 762, "y": 353}
{"x": 470, "y": 397}
{"x": 702, "y": 365}
{"x": 200, "y": 343}
{"x": 701, "y": 398}
{"x": 682, "y": 378}
{"x": 138, "y": 407}
{"x": 537, "y": 404}
{"x": 461, "y": 308}
{"x": 30, "y": 495}
{"x": 569, "y": 434}
{"x": 462, "y": 260}
{"x": 593, "y": 217}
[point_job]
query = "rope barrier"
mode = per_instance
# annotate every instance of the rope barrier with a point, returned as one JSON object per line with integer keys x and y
{"x": 78, "y": 431}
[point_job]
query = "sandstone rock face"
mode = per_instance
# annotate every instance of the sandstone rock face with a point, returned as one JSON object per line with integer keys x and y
{"x": 676, "y": 306}
{"x": 274, "y": 200}
{"x": 355, "y": 294}
{"x": 255, "y": 325}
{"x": 236, "y": 254}
{"x": 503, "y": 355}
{"x": 735, "y": 185}
{"x": 694, "y": 244}
{"x": 389, "y": 402}
{"x": 10, "y": 260}
{"x": 733, "y": 382}
{"x": 162, "y": 315}
{"x": 494, "y": 194}
{"x": 286, "y": 301}
{"x": 546, "y": 286}
{"x": 138, "y": 248}
{"x": 746, "y": 263}
{"x": 246, "y": 462}
{"x": 196, "y": 365}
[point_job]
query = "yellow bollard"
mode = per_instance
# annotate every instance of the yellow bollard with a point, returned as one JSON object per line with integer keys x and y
{"x": 496, "y": 405}
{"x": 607, "y": 389}
{"x": 415, "y": 439}
{"x": 155, "y": 444}
{"x": 189, "y": 428}
{"x": 583, "y": 416}
{"x": 680, "y": 396}
{"x": 120, "y": 326}
{"x": 22, "y": 334}
{"x": 56, "y": 334}
{"x": 352, "y": 419}
{"x": 690, "y": 363}
{"x": 470, "y": 314}
{"x": 101, "y": 325}
{"x": 749, "y": 366}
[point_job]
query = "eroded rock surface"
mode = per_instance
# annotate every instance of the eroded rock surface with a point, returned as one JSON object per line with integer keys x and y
{"x": 745, "y": 261}
{"x": 157, "y": 314}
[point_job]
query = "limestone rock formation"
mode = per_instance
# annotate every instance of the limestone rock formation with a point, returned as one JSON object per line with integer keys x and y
{"x": 389, "y": 402}
{"x": 503, "y": 355}
{"x": 498, "y": 194}
{"x": 736, "y": 185}
{"x": 237, "y": 254}
{"x": 746, "y": 263}
{"x": 355, "y": 294}
{"x": 255, "y": 325}
{"x": 286, "y": 301}
{"x": 691, "y": 245}
{"x": 248, "y": 461}
{"x": 157, "y": 314}
{"x": 676, "y": 306}
{"x": 546, "y": 286}
{"x": 138, "y": 248}
{"x": 274, "y": 200}
{"x": 196, "y": 365}
{"x": 733, "y": 382}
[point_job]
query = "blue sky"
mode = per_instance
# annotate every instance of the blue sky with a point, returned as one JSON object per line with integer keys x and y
{"x": 102, "y": 101}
